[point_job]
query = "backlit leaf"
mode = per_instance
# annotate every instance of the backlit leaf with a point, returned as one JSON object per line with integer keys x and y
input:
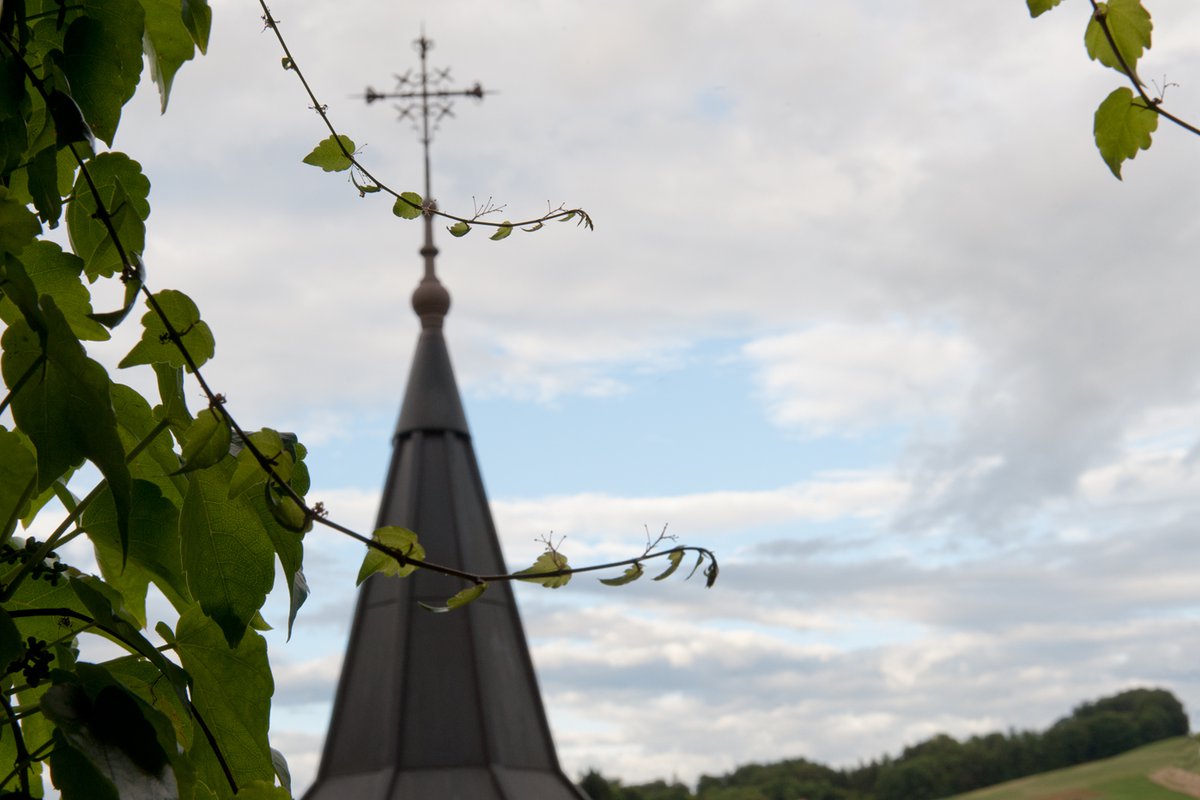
{"x": 18, "y": 478}
{"x": 401, "y": 539}
{"x": 675, "y": 557}
{"x": 65, "y": 407}
{"x": 55, "y": 272}
{"x": 156, "y": 346}
{"x": 1130, "y": 25}
{"x": 232, "y": 688}
{"x": 408, "y": 205}
{"x": 1039, "y": 7}
{"x": 154, "y": 552}
{"x": 103, "y": 61}
{"x": 1123, "y": 126}
{"x": 549, "y": 561}
{"x": 227, "y": 556}
{"x": 459, "y": 229}
{"x": 331, "y": 157}
{"x": 503, "y": 232}
{"x": 168, "y": 43}
{"x": 18, "y": 225}
{"x": 628, "y": 576}
{"x": 197, "y": 18}
{"x": 206, "y": 441}
{"x": 460, "y": 599}
{"x": 124, "y": 192}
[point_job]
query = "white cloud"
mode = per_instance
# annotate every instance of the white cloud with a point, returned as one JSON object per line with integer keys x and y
{"x": 853, "y": 377}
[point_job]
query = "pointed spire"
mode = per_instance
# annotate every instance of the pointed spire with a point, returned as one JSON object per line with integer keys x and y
{"x": 437, "y": 706}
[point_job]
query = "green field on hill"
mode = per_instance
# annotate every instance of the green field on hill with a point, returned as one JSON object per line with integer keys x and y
{"x": 1123, "y": 777}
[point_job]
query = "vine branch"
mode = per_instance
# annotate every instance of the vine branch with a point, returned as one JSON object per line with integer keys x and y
{"x": 322, "y": 110}
{"x": 1152, "y": 103}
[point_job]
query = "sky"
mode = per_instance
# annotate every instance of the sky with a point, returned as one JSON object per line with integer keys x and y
{"x": 863, "y": 312}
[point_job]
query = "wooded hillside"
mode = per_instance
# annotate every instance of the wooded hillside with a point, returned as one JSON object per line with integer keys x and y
{"x": 940, "y": 766}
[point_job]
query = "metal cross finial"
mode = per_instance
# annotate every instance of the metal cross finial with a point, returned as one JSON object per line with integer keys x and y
{"x": 426, "y": 93}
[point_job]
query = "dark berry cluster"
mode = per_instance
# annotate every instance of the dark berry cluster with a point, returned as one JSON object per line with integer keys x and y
{"x": 50, "y": 569}
{"x": 34, "y": 663}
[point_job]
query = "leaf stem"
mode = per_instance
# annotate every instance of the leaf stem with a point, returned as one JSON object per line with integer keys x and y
{"x": 18, "y": 745}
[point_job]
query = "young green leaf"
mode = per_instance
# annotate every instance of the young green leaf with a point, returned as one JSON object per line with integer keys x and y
{"x": 628, "y": 576}
{"x": 408, "y": 205}
{"x": 675, "y": 557}
{"x": 401, "y": 539}
{"x": 549, "y": 561}
{"x": 124, "y": 192}
{"x": 364, "y": 189}
{"x": 459, "y": 229}
{"x": 503, "y": 232}
{"x": 206, "y": 441}
{"x": 331, "y": 156}
{"x": 1129, "y": 23}
{"x": 156, "y": 346}
{"x": 1123, "y": 126}
{"x": 537, "y": 226}
{"x": 1039, "y": 7}
{"x": 468, "y": 595}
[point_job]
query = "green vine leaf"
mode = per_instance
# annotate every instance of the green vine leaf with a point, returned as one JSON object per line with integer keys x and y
{"x": 1123, "y": 126}
{"x": 503, "y": 232}
{"x": 124, "y": 192}
{"x": 206, "y": 442}
{"x": 408, "y": 205}
{"x": 629, "y": 576}
{"x": 55, "y": 272}
{"x": 197, "y": 18}
{"x": 331, "y": 156}
{"x": 1129, "y": 23}
{"x": 397, "y": 538}
{"x": 549, "y": 561}
{"x": 102, "y": 61}
{"x": 1039, "y": 7}
{"x": 17, "y": 225}
{"x": 460, "y": 599}
{"x": 18, "y": 477}
{"x": 232, "y": 688}
{"x": 153, "y": 552}
{"x": 66, "y": 406}
{"x": 676, "y": 558}
{"x": 156, "y": 346}
{"x": 168, "y": 43}
{"x": 227, "y": 556}
{"x": 459, "y": 229}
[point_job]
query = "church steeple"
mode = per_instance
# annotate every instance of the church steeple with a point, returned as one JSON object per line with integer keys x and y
{"x": 437, "y": 706}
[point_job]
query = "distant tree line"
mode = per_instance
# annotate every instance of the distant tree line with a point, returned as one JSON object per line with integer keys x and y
{"x": 940, "y": 766}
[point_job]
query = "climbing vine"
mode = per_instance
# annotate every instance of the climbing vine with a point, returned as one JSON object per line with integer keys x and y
{"x": 188, "y": 501}
{"x": 1118, "y": 34}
